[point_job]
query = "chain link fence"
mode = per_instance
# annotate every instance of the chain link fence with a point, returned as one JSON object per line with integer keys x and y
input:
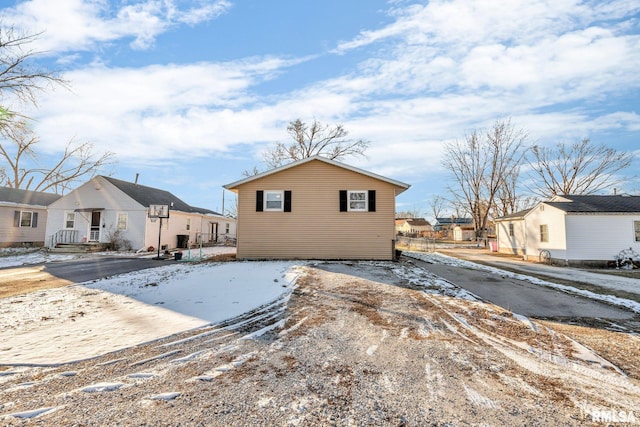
{"x": 422, "y": 244}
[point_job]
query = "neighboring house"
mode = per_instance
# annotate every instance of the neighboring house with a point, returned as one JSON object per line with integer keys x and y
{"x": 106, "y": 210}
{"x": 455, "y": 228}
{"x": 23, "y": 216}
{"x": 413, "y": 226}
{"x": 573, "y": 230}
{"x": 316, "y": 208}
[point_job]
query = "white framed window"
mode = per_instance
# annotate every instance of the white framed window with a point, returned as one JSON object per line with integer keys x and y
{"x": 227, "y": 228}
{"x": 544, "y": 233}
{"x": 123, "y": 219}
{"x": 636, "y": 229}
{"x": 188, "y": 226}
{"x": 25, "y": 218}
{"x": 69, "y": 220}
{"x": 274, "y": 200}
{"x": 510, "y": 229}
{"x": 357, "y": 200}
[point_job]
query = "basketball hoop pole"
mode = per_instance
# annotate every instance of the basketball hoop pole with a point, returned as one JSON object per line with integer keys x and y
{"x": 159, "y": 234}
{"x": 159, "y": 212}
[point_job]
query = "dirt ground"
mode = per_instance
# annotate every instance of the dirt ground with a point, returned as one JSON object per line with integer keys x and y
{"x": 27, "y": 279}
{"x": 345, "y": 350}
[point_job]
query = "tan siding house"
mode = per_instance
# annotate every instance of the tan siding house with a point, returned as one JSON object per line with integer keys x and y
{"x": 23, "y": 216}
{"x": 316, "y": 208}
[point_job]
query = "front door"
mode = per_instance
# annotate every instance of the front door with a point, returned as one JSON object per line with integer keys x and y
{"x": 94, "y": 231}
{"x": 214, "y": 232}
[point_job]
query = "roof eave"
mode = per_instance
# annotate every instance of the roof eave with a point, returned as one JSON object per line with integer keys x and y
{"x": 234, "y": 185}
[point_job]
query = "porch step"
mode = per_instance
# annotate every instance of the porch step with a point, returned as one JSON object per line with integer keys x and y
{"x": 79, "y": 247}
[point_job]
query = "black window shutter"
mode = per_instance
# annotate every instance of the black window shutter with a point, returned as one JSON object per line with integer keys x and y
{"x": 287, "y": 201}
{"x": 372, "y": 200}
{"x": 34, "y": 219}
{"x": 16, "y": 218}
{"x": 343, "y": 200}
{"x": 259, "y": 201}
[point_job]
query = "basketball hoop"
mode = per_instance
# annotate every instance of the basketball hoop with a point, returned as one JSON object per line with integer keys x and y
{"x": 155, "y": 212}
{"x": 158, "y": 211}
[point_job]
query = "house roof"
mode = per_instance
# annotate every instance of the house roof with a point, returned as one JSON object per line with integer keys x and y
{"x": 596, "y": 204}
{"x": 454, "y": 220}
{"x": 419, "y": 222}
{"x": 403, "y": 186}
{"x": 515, "y": 215}
{"x": 153, "y": 196}
{"x": 27, "y": 197}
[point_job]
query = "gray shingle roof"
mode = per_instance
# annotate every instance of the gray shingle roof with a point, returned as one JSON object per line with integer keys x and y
{"x": 153, "y": 196}
{"x": 27, "y": 197}
{"x": 457, "y": 221}
{"x": 595, "y": 204}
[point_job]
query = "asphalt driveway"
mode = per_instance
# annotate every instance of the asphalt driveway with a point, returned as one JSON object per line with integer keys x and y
{"x": 524, "y": 297}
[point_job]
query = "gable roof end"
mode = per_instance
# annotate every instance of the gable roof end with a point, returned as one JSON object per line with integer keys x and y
{"x": 401, "y": 185}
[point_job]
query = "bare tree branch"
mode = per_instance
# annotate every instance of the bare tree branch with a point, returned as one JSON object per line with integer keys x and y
{"x": 16, "y": 75}
{"x": 480, "y": 167}
{"x": 581, "y": 168}
{"x": 23, "y": 171}
{"x": 315, "y": 139}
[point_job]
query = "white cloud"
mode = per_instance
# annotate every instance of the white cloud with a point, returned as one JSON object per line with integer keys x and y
{"x": 159, "y": 111}
{"x": 72, "y": 25}
{"x": 439, "y": 71}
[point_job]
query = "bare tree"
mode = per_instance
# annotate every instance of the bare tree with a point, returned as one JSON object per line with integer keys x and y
{"x": 17, "y": 75}
{"x": 230, "y": 209}
{"x": 315, "y": 139}
{"x": 480, "y": 166}
{"x": 19, "y": 162}
{"x": 409, "y": 213}
{"x": 580, "y": 168}
{"x": 22, "y": 166}
{"x": 437, "y": 204}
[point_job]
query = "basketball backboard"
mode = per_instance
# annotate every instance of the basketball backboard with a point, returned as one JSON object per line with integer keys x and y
{"x": 158, "y": 211}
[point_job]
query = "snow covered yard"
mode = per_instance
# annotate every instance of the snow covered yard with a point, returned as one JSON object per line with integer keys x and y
{"x": 76, "y": 322}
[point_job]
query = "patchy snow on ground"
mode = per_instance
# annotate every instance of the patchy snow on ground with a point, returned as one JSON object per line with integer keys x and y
{"x": 77, "y": 322}
{"x": 14, "y": 257}
{"x": 82, "y": 321}
{"x": 438, "y": 258}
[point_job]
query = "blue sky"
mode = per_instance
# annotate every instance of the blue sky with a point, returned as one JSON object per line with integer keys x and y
{"x": 189, "y": 93}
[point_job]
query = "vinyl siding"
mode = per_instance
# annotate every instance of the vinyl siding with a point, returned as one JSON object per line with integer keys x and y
{"x": 316, "y": 229}
{"x": 600, "y": 237}
{"x": 99, "y": 193}
{"x": 515, "y": 244}
{"x": 16, "y": 236}
{"x": 177, "y": 225}
{"x": 555, "y": 220}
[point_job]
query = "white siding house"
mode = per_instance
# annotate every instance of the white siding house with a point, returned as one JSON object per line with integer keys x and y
{"x": 106, "y": 210}
{"x": 573, "y": 230}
